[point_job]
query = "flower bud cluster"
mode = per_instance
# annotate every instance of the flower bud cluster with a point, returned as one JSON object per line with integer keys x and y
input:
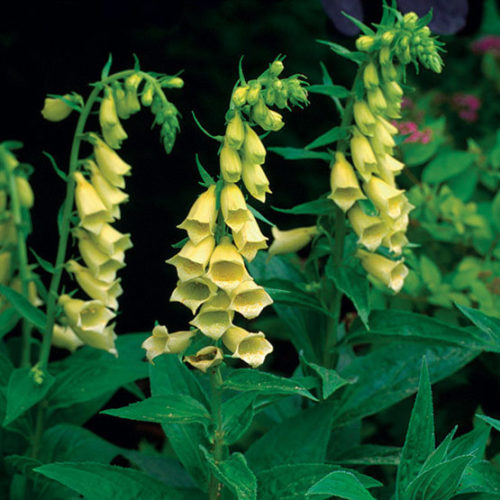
{"x": 408, "y": 38}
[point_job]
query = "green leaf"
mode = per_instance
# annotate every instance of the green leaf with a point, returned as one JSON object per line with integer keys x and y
{"x": 481, "y": 477}
{"x": 294, "y": 297}
{"x": 97, "y": 481}
{"x": 24, "y": 307}
{"x": 363, "y": 27}
{"x": 23, "y": 392}
{"x": 430, "y": 271}
{"x": 340, "y": 484}
{"x": 300, "y": 154}
{"x": 329, "y": 90}
{"x": 415, "y": 154}
{"x": 488, "y": 324}
{"x": 331, "y": 381}
{"x": 353, "y": 284}
{"x": 45, "y": 264}
{"x": 107, "y": 67}
{"x": 321, "y": 206}
{"x": 259, "y": 216}
{"x": 447, "y": 164}
{"x": 369, "y": 454}
{"x": 472, "y": 443}
{"x": 207, "y": 179}
{"x": 58, "y": 171}
{"x": 171, "y": 409}
{"x": 237, "y": 416}
{"x": 357, "y": 57}
{"x": 419, "y": 441}
{"x": 492, "y": 421}
{"x": 170, "y": 376}
{"x": 439, "y": 482}
{"x": 333, "y": 135}
{"x": 235, "y": 474}
{"x": 8, "y": 320}
{"x": 299, "y": 439}
{"x": 246, "y": 379}
{"x": 495, "y": 211}
{"x": 397, "y": 367}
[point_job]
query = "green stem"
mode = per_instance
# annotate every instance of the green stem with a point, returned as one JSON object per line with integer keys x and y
{"x": 215, "y": 487}
{"x": 22, "y": 258}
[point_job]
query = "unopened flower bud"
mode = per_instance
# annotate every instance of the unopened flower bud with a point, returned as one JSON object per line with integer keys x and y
{"x": 376, "y": 100}
{"x": 24, "y": 191}
{"x": 253, "y": 92}
{"x": 370, "y": 76}
{"x": 56, "y": 110}
{"x": 253, "y": 149}
{"x": 276, "y": 68}
{"x": 240, "y": 96}
{"x": 365, "y": 43}
{"x": 230, "y": 164}
{"x": 291, "y": 240}
{"x": 387, "y": 37}
{"x": 235, "y": 132}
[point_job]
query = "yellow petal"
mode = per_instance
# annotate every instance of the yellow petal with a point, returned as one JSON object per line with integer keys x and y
{"x": 249, "y": 239}
{"x": 208, "y": 357}
{"x": 193, "y": 293}
{"x": 291, "y": 240}
{"x": 249, "y": 299}
{"x": 233, "y": 206}
{"x": 250, "y": 347}
{"x": 192, "y": 259}
{"x": 344, "y": 184}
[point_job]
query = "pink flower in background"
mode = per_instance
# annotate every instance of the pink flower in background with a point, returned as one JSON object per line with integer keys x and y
{"x": 489, "y": 43}
{"x": 411, "y": 130}
{"x": 467, "y": 106}
{"x": 407, "y": 103}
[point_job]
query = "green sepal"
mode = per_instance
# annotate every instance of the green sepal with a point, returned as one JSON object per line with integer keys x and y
{"x": 107, "y": 67}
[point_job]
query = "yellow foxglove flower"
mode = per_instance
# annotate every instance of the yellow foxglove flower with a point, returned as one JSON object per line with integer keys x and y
{"x": 344, "y": 184}
{"x": 95, "y": 288}
{"x": 120, "y": 101}
{"x": 239, "y": 97}
{"x": 201, "y": 219}
{"x": 274, "y": 121}
{"x": 162, "y": 342}
{"x": 230, "y": 164}
{"x": 111, "y": 196}
{"x": 8, "y": 232}
{"x": 259, "y": 110}
{"x": 111, "y": 241}
{"x": 65, "y": 338}
{"x": 214, "y": 317}
{"x": 90, "y": 315}
{"x": 393, "y": 109}
{"x": 102, "y": 265}
{"x": 193, "y": 293}
{"x": 364, "y": 43}
{"x": 388, "y": 199}
{"x": 249, "y": 299}
{"x": 370, "y": 76}
{"x": 6, "y": 268}
{"x": 387, "y": 163}
{"x": 56, "y": 110}
{"x": 99, "y": 339}
{"x": 227, "y": 269}
{"x": 291, "y": 240}
{"x": 208, "y": 357}
{"x": 249, "y": 239}
{"x": 235, "y": 132}
{"x": 131, "y": 85}
{"x": 376, "y": 100}
{"x": 382, "y": 141}
{"x": 390, "y": 272}
{"x": 91, "y": 209}
{"x": 389, "y": 71}
{"x": 362, "y": 155}
{"x": 395, "y": 241}
{"x": 33, "y": 297}
{"x": 388, "y": 125}
{"x": 252, "y": 348}
{"x": 392, "y": 91}
{"x": 253, "y": 149}
{"x": 192, "y": 259}
{"x": 364, "y": 118}
{"x": 110, "y": 164}
{"x": 24, "y": 191}
{"x": 233, "y": 206}
{"x": 255, "y": 181}
{"x": 112, "y": 130}
{"x": 370, "y": 229}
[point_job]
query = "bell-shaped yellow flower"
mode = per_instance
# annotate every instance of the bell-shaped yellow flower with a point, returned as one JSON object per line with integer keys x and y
{"x": 376, "y": 100}
{"x": 95, "y": 288}
{"x": 249, "y": 239}
{"x": 370, "y": 76}
{"x": 227, "y": 269}
{"x": 391, "y": 273}
{"x": 193, "y": 293}
{"x": 364, "y": 118}
{"x": 274, "y": 121}
{"x": 56, "y": 110}
{"x": 253, "y": 150}
{"x": 214, "y": 317}
{"x": 382, "y": 141}
{"x": 255, "y": 181}
{"x": 110, "y": 164}
{"x": 370, "y": 229}
{"x": 388, "y": 125}
{"x": 6, "y": 268}
{"x": 392, "y": 91}
{"x": 233, "y": 206}
{"x": 110, "y": 241}
{"x": 200, "y": 221}
{"x": 99, "y": 339}
{"x": 344, "y": 183}
{"x": 65, "y": 338}
{"x": 162, "y": 342}
{"x": 91, "y": 209}
{"x": 90, "y": 315}
{"x": 388, "y": 199}
{"x": 235, "y": 132}
{"x": 112, "y": 130}
{"x": 250, "y": 347}
{"x": 24, "y": 191}
{"x": 388, "y": 167}
{"x": 395, "y": 241}
{"x": 111, "y": 196}
{"x": 291, "y": 240}
{"x": 230, "y": 164}
{"x": 249, "y": 299}
{"x": 208, "y": 357}
{"x": 362, "y": 155}
{"x": 131, "y": 85}
{"x": 192, "y": 259}
{"x": 102, "y": 265}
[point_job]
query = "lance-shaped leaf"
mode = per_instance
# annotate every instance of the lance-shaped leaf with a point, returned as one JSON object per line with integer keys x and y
{"x": 321, "y": 206}
{"x": 489, "y": 325}
{"x": 492, "y": 421}
{"x": 24, "y": 307}
{"x": 300, "y": 154}
{"x": 332, "y": 135}
{"x": 237, "y": 416}
{"x": 330, "y": 380}
{"x": 340, "y": 484}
